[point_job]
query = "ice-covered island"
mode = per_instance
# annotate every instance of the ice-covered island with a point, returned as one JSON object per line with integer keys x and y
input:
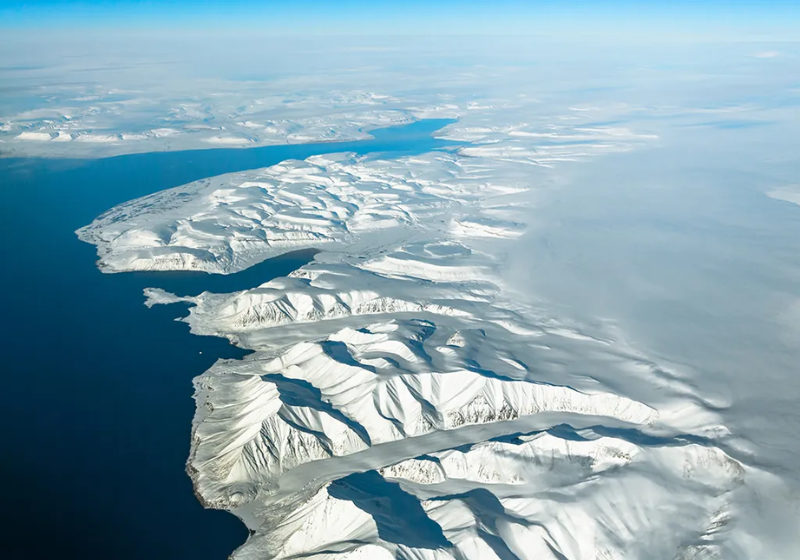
{"x": 405, "y": 399}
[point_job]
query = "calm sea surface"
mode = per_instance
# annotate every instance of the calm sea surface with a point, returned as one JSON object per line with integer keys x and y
{"x": 96, "y": 388}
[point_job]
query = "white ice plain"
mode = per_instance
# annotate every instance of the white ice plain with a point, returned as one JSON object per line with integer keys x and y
{"x": 403, "y": 400}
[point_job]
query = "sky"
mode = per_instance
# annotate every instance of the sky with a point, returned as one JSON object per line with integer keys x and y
{"x": 441, "y": 17}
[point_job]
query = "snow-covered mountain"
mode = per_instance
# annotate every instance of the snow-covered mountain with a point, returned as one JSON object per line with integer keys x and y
{"x": 403, "y": 401}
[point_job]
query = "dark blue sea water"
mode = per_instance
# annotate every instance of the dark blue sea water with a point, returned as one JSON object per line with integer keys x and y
{"x": 96, "y": 388}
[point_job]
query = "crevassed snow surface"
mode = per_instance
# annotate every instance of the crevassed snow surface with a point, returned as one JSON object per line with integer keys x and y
{"x": 404, "y": 399}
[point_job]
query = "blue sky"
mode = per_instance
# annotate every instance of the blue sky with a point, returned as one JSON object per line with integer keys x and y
{"x": 408, "y": 16}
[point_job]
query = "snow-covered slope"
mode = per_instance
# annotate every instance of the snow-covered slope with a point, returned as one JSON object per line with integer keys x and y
{"x": 227, "y": 223}
{"x": 552, "y": 494}
{"x": 110, "y": 121}
{"x": 402, "y": 401}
